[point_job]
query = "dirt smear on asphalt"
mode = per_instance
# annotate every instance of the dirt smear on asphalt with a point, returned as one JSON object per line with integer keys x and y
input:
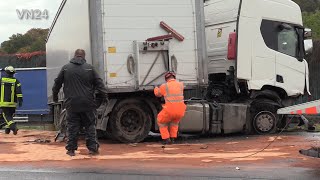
{"x": 21, "y": 149}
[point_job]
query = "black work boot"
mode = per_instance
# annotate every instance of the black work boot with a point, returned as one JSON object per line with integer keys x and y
{"x": 93, "y": 153}
{"x": 71, "y": 153}
{"x": 14, "y": 129}
{"x": 173, "y": 140}
{"x": 166, "y": 141}
{"x": 7, "y": 131}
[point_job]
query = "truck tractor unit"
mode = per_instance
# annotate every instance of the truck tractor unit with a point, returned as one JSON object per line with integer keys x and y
{"x": 246, "y": 55}
{"x": 256, "y": 56}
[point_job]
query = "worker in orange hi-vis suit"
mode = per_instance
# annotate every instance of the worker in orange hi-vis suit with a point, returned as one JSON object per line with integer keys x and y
{"x": 173, "y": 109}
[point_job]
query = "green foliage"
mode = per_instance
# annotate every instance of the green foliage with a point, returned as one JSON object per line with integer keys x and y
{"x": 308, "y": 5}
{"x": 33, "y": 40}
{"x": 311, "y": 15}
{"x": 312, "y": 20}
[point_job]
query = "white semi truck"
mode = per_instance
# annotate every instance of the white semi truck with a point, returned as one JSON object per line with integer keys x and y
{"x": 247, "y": 54}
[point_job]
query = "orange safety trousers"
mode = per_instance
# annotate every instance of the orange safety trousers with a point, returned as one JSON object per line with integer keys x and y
{"x": 173, "y": 109}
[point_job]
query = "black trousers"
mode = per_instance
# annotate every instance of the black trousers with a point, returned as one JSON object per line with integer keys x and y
{"x": 77, "y": 120}
{"x": 7, "y": 112}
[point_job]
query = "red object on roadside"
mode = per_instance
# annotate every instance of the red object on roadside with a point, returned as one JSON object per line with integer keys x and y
{"x": 232, "y": 46}
{"x": 29, "y": 55}
{"x": 169, "y": 29}
{"x": 160, "y": 38}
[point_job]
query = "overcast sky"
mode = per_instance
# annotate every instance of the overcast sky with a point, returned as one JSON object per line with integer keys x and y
{"x": 10, "y": 22}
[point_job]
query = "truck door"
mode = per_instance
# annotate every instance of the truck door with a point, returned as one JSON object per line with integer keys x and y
{"x": 290, "y": 72}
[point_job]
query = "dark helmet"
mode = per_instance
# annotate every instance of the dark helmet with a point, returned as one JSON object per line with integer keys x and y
{"x": 169, "y": 74}
{"x": 9, "y": 70}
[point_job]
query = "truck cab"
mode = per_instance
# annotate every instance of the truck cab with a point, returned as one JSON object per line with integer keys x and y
{"x": 256, "y": 53}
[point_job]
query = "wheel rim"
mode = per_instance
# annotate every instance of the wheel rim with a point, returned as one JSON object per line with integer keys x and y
{"x": 264, "y": 121}
{"x": 131, "y": 121}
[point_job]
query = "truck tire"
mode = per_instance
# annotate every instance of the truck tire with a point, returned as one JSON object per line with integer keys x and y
{"x": 130, "y": 121}
{"x": 264, "y": 118}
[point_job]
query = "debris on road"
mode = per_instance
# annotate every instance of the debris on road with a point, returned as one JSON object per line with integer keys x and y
{"x": 34, "y": 147}
{"x": 133, "y": 144}
{"x": 312, "y": 152}
{"x": 40, "y": 141}
{"x": 237, "y": 168}
{"x": 204, "y": 147}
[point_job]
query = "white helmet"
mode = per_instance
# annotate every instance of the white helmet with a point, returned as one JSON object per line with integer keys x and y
{"x": 9, "y": 70}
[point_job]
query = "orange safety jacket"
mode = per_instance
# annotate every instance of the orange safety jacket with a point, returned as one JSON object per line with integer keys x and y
{"x": 172, "y": 91}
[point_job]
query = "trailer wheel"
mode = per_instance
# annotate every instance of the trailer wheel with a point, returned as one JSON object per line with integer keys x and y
{"x": 130, "y": 122}
{"x": 264, "y": 118}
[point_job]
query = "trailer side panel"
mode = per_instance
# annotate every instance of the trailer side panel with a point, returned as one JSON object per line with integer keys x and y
{"x": 125, "y": 21}
{"x": 70, "y": 31}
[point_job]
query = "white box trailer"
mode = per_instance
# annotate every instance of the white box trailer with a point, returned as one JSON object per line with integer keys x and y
{"x": 114, "y": 32}
{"x": 116, "y": 37}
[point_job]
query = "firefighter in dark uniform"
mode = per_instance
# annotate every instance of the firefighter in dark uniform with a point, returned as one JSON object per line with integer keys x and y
{"x": 10, "y": 96}
{"x": 80, "y": 82}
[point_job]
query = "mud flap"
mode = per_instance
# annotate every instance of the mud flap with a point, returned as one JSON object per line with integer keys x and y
{"x": 102, "y": 114}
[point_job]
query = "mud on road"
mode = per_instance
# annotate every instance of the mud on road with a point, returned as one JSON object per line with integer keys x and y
{"x": 193, "y": 153}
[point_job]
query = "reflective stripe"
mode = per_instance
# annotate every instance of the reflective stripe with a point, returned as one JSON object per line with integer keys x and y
{"x": 163, "y": 125}
{"x": 174, "y": 100}
{"x": 18, "y": 85}
{"x": 12, "y": 92}
{"x": 2, "y": 92}
{"x": 5, "y": 118}
{"x": 174, "y": 95}
{"x": 8, "y": 104}
{"x": 174, "y": 124}
{"x": 19, "y": 95}
{"x": 167, "y": 89}
{"x": 8, "y": 80}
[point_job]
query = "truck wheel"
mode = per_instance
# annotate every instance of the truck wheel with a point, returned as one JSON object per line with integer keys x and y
{"x": 264, "y": 118}
{"x": 130, "y": 122}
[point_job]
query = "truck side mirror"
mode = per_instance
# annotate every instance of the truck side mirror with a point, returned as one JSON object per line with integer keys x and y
{"x": 307, "y": 33}
{"x": 308, "y": 46}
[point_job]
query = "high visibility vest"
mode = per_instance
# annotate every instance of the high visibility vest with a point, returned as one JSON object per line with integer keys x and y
{"x": 10, "y": 92}
{"x": 172, "y": 91}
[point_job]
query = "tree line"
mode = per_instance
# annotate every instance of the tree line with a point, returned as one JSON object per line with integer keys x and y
{"x": 32, "y": 40}
{"x": 311, "y": 15}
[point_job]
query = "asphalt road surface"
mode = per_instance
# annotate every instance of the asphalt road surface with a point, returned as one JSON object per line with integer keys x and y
{"x": 248, "y": 172}
{"x": 21, "y": 157}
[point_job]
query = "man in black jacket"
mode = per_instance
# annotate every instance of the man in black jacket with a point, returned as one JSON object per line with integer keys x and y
{"x": 80, "y": 82}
